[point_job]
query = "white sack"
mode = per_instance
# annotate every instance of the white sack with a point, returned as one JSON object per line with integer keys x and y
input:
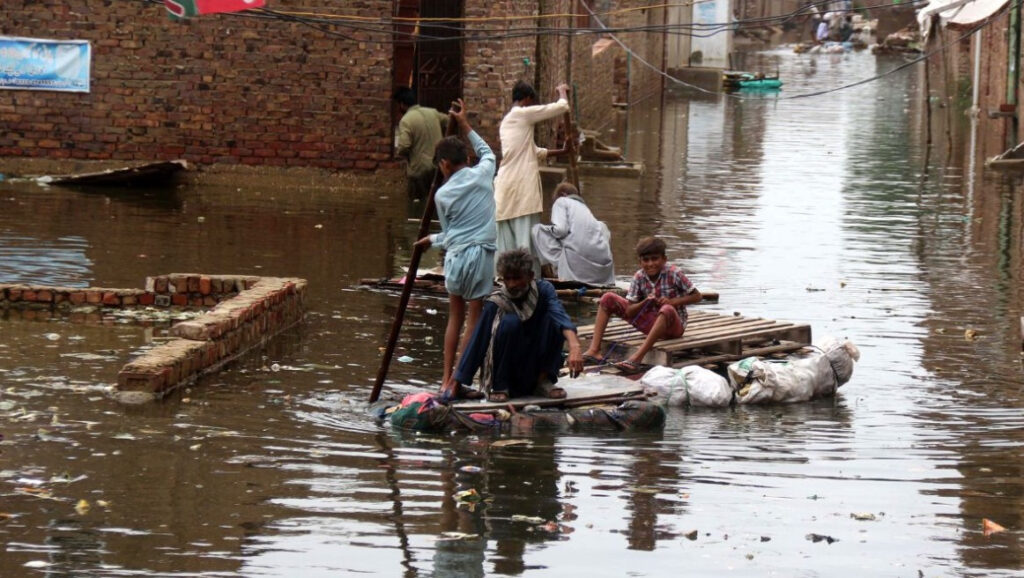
{"x": 691, "y": 386}
{"x": 798, "y": 378}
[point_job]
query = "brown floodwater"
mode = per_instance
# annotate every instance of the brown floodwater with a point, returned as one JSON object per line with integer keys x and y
{"x": 829, "y": 210}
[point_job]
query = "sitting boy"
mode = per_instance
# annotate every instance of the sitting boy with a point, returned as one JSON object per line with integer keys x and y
{"x": 655, "y": 304}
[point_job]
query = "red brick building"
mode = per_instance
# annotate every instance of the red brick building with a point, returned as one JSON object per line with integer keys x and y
{"x": 307, "y": 83}
{"x": 974, "y": 67}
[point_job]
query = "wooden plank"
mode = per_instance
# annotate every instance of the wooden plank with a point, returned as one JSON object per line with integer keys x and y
{"x": 146, "y": 173}
{"x": 618, "y": 324}
{"x": 740, "y": 331}
{"x": 733, "y": 326}
{"x": 784, "y": 347}
{"x": 800, "y": 333}
{"x": 709, "y": 338}
{"x": 579, "y": 396}
{"x": 688, "y": 340}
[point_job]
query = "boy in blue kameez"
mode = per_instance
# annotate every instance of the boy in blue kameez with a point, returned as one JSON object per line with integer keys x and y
{"x": 465, "y": 207}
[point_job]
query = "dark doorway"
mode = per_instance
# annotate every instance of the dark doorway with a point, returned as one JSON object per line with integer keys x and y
{"x": 428, "y": 54}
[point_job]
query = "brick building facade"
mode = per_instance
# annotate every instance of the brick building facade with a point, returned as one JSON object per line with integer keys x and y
{"x": 254, "y": 90}
{"x": 969, "y": 61}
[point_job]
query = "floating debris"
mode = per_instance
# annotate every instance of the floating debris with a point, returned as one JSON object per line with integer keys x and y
{"x": 133, "y": 398}
{"x": 863, "y": 516}
{"x": 821, "y": 538}
{"x": 989, "y": 527}
{"x": 470, "y": 495}
{"x": 88, "y": 356}
{"x": 509, "y": 443}
{"x": 457, "y": 536}
{"x": 66, "y": 478}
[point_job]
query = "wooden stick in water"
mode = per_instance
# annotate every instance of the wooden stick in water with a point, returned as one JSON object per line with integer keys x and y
{"x": 410, "y": 275}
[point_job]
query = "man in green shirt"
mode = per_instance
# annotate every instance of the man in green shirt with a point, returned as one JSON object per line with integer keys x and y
{"x": 419, "y": 131}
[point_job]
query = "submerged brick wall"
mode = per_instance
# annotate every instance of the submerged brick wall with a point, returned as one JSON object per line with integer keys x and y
{"x": 264, "y": 307}
{"x": 246, "y": 312}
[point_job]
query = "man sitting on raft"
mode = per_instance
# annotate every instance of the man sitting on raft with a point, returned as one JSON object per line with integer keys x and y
{"x": 517, "y": 342}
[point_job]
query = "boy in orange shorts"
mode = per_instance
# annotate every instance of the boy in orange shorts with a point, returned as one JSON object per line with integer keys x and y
{"x": 655, "y": 304}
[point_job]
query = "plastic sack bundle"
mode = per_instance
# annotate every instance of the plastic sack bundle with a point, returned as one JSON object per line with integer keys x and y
{"x": 691, "y": 386}
{"x": 797, "y": 378}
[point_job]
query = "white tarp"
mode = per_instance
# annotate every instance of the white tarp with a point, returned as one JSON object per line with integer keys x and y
{"x": 964, "y": 13}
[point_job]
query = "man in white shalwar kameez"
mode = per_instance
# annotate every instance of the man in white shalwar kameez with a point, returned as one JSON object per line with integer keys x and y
{"x": 575, "y": 241}
{"x": 518, "y": 196}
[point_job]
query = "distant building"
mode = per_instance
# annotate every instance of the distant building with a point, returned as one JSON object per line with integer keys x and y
{"x": 975, "y": 66}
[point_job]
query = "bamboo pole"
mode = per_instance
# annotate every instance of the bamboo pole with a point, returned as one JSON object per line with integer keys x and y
{"x": 410, "y": 275}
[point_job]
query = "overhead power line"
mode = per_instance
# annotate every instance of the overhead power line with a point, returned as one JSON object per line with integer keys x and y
{"x": 388, "y": 30}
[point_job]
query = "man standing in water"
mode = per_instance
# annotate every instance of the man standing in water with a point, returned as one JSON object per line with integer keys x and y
{"x": 518, "y": 194}
{"x": 465, "y": 207}
{"x": 419, "y": 131}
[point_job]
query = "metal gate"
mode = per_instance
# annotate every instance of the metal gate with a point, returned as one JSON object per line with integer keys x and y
{"x": 430, "y": 60}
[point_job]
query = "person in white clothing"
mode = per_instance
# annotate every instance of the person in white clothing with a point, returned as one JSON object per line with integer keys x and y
{"x": 518, "y": 197}
{"x": 575, "y": 241}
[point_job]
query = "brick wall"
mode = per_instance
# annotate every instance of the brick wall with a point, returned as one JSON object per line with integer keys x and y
{"x": 265, "y": 307}
{"x": 491, "y": 68}
{"x": 606, "y": 72}
{"x": 237, "y": 90}
{"x": 599, "y": 71}
{"x": 995, "y": 134}
{"x": 215, "y": 89}
{"x": 245, "y": 312}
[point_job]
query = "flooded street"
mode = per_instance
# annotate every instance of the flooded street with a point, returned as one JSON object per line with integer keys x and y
{"x": 828, "y": 210}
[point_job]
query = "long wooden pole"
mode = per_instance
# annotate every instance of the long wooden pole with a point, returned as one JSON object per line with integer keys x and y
{"x": 571, "y": 144}
{"x": 410, "y": 275}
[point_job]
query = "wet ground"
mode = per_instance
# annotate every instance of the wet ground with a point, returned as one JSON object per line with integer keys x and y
{"x": 828, "y": 210}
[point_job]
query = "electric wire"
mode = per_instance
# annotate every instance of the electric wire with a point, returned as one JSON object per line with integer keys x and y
{"x": 325, "y": 23}
{"x": 924, "y": 56}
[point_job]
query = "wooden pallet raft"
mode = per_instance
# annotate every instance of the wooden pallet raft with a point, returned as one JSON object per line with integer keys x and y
{"x": 710, "y": 338}
{"x": 568, "y": 291}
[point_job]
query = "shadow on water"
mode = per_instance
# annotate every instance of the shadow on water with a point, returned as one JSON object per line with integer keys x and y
{"x": 828, "y": 210}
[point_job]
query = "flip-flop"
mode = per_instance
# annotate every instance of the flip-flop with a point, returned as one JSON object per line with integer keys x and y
{"x": 550, "y": 391}
{"x": 497, "y": 397}
{"x": 468, "y": 393}
{"x": 628, "y": 367}
{"x": 593, "y": 360}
